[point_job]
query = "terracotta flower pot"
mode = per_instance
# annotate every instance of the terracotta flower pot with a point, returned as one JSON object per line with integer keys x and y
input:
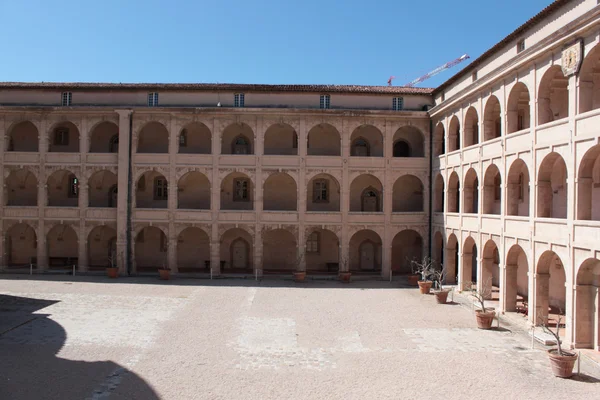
{"x": 485, "y": 319}
{"x": 441, "y": 296}
{"x": 345, "y": 277}
{"x": 413, "y": 279}
{"x": 112, "y": 272}
{"x": 165, "y": 274}
{"x": 425, "y": 286}
{"x": 299, "y": 276}
{"x": 562, "y": 366}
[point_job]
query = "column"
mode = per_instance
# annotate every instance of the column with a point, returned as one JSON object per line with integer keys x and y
{"x": 42, "y": 249}
{"x": 82, "y": 258}
{"x": 542, "y": 288}
{"x": 258, "y": 252}
{"x": 510, "y": 287}
{"x": 215, "y": 250}
{"x": 172, "y": 252}
{"x": 124, "y": 254}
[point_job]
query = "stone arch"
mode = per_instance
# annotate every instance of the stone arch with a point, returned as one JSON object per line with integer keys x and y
{"x": 451, "y": 259}
{"x": 324, "y": 140}
{"x": 322, "y": 251}
{"x": 194, "y": 138}
{"x": 550, "y": 290}
{"x": 588, "y": 185}
{"x": 63, "y": 189}
{"x": 553, "y": 96}
{"x": 193, "y": 191}
{"x": 471, "y": 127}
{"x": 453, "y": 193}
{"x": 23, "y": 136}
{"x": 407, "y": 245}
{"x": 471, "y": 192}
{"x": 438, "y": 252}
{"x": 64, "y": 138}
{"x": 153, "y": 138}
{"x": 102, "y": 248}
{"x": 100, "y": 189}
{"x": 323, "y": 193}
{"x": 152, "y": 190}
{"x": 237, "y": 192}
{"x": 469, "y": 264}
{"x": 62, "y": 243}
{"x": 20, "y": 246}
{"x": 490, "y": 271}
{"x": 151, "y": 249}
{"x": 587, "y": 312}
{"x": 518, "y": 109}
{"x": 281, "y": 139}
{"x": 517, "y": 194}
{"x": 439, "y": 193}
{"x": 366, "y": 194}
{"x": 439, "y": 144}
{"x": 193, "y": 250}
{"x": 21, "y": 188}
{"x": 492, "y": 190}
{"x": 366, "y": 141}
{"x": 280, "y": 251}
{"x": 407, "y": 194}
{"x": 280, "y": 193}
{"x": 102, "y": 138}
{"x": 492, "y": 119}
{"x": 236, "y": 251}
{"x": 516, "y": 280}
{"x": 408, "y": 142}
{"x": 237, "y": 138}
{"x": 589, "y": 85}
{"x": 552, "y": 187}
{"x": 365, "y": 251}
{"x": 454, "y": 134}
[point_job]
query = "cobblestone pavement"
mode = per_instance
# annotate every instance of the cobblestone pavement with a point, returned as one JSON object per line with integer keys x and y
{"x": 139, "y": 338}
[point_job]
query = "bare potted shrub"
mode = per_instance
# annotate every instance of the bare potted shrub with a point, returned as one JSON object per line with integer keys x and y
{"x": 424, "y": 268}
{"x": 484, "y": 315}
{"x": 164, "y": 271}
{"x": 441, "y": 294}
{"x": 300, "y": 270}
{"x": 344, "y": 273}
{"x": 112, "y": 270}
{"x": 413, "y": 278}
{"x": 561, "y": 361}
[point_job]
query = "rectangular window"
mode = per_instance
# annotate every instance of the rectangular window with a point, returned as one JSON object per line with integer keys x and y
{"x": 474, "y": 76}
{"x": 240, "y": 190}
{"x": 160, "y": 189}
{"x": 66, "y": 99}
{"x": 397, "y": 103}
{"x": 320, "y": 192}
{"x": 520, "y": 46}
{"x": 153, "y": 99}
{"x": 312, "y": 244}
{"x": 61, "y": 137}
{"x": 183, "y": 138}
{"x": 73, "y": 187}
{"x": 238, "y": 100}
{"x": 324, "y": 102}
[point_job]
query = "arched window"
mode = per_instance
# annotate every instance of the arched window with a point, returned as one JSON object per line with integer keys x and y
{"x": 401, "y": 149}
{"x": 360, "y": 148}
{"x": 370, "y": 200}
{"x": 113, "y": 146}
{"x": 241, "y": 145}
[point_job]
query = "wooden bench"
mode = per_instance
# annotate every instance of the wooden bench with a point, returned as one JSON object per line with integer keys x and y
{"x": 62, "y": 261}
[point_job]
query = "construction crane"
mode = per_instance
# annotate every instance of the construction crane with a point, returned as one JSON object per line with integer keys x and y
{"x": 434, "y": 72}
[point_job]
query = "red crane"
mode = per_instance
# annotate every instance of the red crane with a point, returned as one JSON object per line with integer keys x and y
{"x": 434, "y": 72}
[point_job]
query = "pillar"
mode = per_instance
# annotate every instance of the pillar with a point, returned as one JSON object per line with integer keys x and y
{"x": 466, "y": 262}
{"x": 172, "y": 252}
{"x": 82, "y": 241}
{"x": 42, "y": 248}
{"x": 542, "y": 302}
{"x": 510, "y": 289}
{"x": 258, "y": 253}
{"x": 124, "y": 254}
{"x": 215, "y": 250}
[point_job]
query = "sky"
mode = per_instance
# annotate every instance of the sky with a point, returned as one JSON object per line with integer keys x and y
{"x": 241, "y": 41}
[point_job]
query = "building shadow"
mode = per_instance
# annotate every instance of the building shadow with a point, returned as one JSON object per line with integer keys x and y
{"x": 31, "y": 369}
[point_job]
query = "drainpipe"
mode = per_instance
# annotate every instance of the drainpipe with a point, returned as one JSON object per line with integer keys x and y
{"x": 430, "y": 182}
{"x": 129, "y": 196}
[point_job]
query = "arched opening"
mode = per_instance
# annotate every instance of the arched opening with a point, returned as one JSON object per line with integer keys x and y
{"x": 193, "y": 191}
{"x": 588, "y": 186}
{"x": 490, "y": 273}
{"x": 516, "y": 281}
{"x": 281, "y": 139}
{"x": 365, "y": 194}
{"x": 322, "y": 251}
{"x": 407, "y": 245}
{"x": 453, "y": 193}
{"x": 471, "y": 128}
{"x": 21, "y": 188}
{"x": 518, "y": 109}
{"x": 366, "y": 141}
{"x": 471, "y": 192}
{"x": 365, "y": 252}
{"x": 152, "y": 191}
{"x": 552, "y": 187}
{"x": 550, "y": 290}
{"x": 323, "y": 194}
{"x": 101, "y": 187}
{"x": 64, "y": 138}
{"x": 23, "y": 136}
{"x": 409, "y": 142}
{"x": 280, "y": 193}
{"x": 324, "y": 140}
{"x": 492, "y": 191}
{"x": 63, "y": 189}
{"x": 454, "y": 134}
{"x": 451, "y": 260}
{"x": 62, "y": 247}
{"x": 439, "y": 194}
{"x": 193, "y": 250}
{"x": 469, "y": 276}
{"x": 20, "y": 246}
{"x": 237, "y": 138}
{"x": 102, "y": 248}
{"x": 587, "y": 305}
{"x": 589, "y": 84}
{"x": 236, "y": 251}
{"x": 195, "y": 138}
{"x": 103, "y": 138}
{"x": 492, "y": 120}
{"x": 517, "y": 195}
{"x": 553, "y": 96}
{"x": 280, "y": 252}
{"x": 153, "y": 138}
{"x": 237, "y": 192}
{"x": 439, "y": 144}
{"x": 151, "y": 248}
{"x": 438, "y": 254}
{"x": 407, "y": 194}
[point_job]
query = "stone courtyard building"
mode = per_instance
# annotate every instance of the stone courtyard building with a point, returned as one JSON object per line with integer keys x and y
{"x": 496, "y": 174}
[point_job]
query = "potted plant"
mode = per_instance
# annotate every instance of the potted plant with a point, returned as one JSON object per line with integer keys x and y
{"x": 112, "y": 271}
{"x": 413, "y": 278}
{"x": 344, "y": 274}
{"x": 164, "y": 271}
{"x": 424, "y": 268}
{"x": 441, "y": 294}
{"x": 300, "y": 271}
{"x": 484, "y": 315}
{"x": 561, "y": 361}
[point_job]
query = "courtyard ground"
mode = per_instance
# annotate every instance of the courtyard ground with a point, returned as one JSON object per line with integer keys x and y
{"x": 140, "y": 338}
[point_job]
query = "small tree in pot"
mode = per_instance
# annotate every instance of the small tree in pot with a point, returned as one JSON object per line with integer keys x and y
{"x": 112, "y": 270}
{"x": 441, "y": 294}
{"x": 561, "y": 361}
{"x": 164, "y": 271}
{"x": 424, "y": 268}
{"x": 344, "y": 272}
{"x": 485, "y": 315}
{"x": 413, "y": 278}
{"x": 300, "y": 270}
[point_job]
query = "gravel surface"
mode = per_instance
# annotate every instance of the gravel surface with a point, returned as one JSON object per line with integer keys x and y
{"x": 140, "y": 338}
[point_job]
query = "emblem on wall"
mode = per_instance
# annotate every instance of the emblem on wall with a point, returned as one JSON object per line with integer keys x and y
{"x": 571, "y": 58}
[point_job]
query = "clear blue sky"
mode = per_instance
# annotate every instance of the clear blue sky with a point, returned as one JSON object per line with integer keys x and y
{"x": 241, "y": 41}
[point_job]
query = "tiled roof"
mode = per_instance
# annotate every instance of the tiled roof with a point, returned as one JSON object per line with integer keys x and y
{"x": 230, "y": 87}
